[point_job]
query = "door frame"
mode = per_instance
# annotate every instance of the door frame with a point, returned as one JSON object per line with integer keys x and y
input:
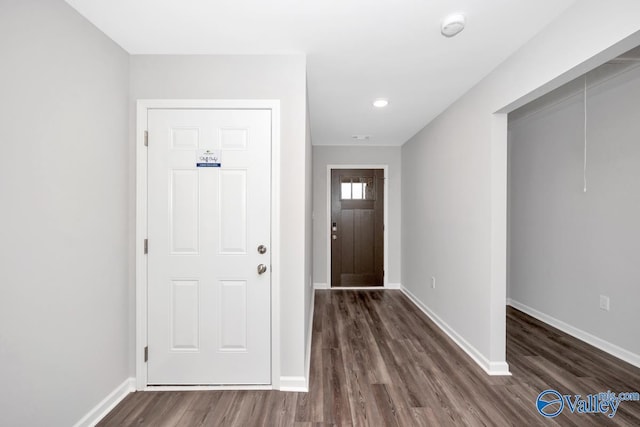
{"x": 385, "y": 217}
{"x": 143, "y": 105}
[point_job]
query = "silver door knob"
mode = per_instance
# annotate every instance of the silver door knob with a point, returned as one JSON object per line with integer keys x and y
{"x": 334, "y": 237}
{"x": 262, "y": 249}
{"x": 262, "y": 269}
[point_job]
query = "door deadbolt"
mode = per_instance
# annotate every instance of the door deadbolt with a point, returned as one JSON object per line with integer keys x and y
{"x": 262, "y": 269}
{"x": 262, "y": 249}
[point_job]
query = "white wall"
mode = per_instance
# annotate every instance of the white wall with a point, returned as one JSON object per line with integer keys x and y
{"x": 454, "y": 175}
{"x": 249, "y": 77}
{"x": 350, "y": 155}
{"x": 569, "y": 247}
{"x": 64, "y": 318}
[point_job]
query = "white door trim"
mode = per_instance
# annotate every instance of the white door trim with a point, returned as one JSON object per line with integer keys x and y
{"x": 141, "y": 220}
{"x": 385, "y": 218}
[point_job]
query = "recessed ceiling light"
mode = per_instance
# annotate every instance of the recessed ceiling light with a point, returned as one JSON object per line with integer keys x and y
{"x": 452, "y": 25}
{"x": 380, "y": 102}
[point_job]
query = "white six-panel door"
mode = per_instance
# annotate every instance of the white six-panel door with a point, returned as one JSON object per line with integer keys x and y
{"x": 208, "y": 306}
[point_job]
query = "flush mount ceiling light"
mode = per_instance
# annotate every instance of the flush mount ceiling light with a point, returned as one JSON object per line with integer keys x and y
{"x": 360, "y": 137}
{"x": 380, "y": 103}
{"x": 452, "y": 25}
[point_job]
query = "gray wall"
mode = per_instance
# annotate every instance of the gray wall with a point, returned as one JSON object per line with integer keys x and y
{"x": 64, "y": 318}
{"x": 308, "y": 230}
{"x": 326, "y": 155}
{"x": 567, "y": 247}
{"x": 280, "y": 77}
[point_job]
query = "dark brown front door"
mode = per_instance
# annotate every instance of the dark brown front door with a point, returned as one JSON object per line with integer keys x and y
{"x": 357, "y": 227}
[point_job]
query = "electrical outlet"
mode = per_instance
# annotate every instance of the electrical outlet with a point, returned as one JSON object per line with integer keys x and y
{"x": 604, "y": 302}
{"x": 433, "y": 282}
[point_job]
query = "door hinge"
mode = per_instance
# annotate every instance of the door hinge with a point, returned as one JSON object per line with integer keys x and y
{"x": 146, "y": 246}
{"x": 146, "y": 138}
{"x": 146, "y": 354}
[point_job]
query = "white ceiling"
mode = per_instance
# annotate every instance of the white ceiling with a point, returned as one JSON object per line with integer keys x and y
{"x": 357, "y": 50}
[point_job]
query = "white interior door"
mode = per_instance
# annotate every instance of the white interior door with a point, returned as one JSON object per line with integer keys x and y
{"x": 209, "y": 319}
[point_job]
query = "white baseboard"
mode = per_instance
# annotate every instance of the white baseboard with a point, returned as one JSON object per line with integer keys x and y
{"x": 208, "y": 387}
{"x": 599, "y": 343}
{"x": 293, "y": 384}
{"x": 490, "y": 367}
{"x": 389, "y": 286}
{"x": 96, "y": 414}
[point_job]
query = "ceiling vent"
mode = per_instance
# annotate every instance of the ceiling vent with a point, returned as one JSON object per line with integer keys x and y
{"x": 360, "y": 137}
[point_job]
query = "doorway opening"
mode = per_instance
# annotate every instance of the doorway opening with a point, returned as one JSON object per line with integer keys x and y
{"x": 572, "y": 215}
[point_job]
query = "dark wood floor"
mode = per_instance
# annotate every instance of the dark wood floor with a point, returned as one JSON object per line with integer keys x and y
{"x": 377, "y": 360}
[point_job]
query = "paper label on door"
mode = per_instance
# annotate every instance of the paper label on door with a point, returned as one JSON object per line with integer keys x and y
{"x": 208, "y": 159}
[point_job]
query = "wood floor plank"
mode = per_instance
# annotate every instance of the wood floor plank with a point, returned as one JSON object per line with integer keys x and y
{"x": 386, "y": 405}
{"x": 377, "y": 360}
